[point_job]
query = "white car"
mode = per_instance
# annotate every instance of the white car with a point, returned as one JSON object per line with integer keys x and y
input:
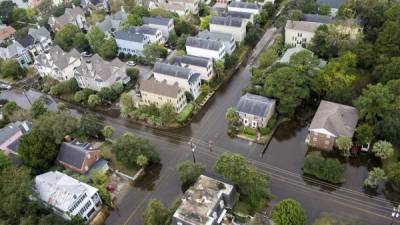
{"x": 131, "y": 63}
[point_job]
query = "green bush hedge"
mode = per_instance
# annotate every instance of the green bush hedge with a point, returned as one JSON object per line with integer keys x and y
{"x": 330, "y": 170}
{"x": 185, "y": 114}
{"x": 249, "y": 131}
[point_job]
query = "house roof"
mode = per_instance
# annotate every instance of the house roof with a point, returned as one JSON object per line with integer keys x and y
{"x": 6, "y": 32}
{"x": 255, "y": 104}
{"x": 203, "y": 43}
{"x": 192, "y": 60}
{"x": 243, "y": 15}
{"x": 302, "y": 25}
{"x": 74, "y": 153}
{"x": 146, "y": 30}
{"x": 159, "y": 88}
{"x": 113, "y": 21}
{"x": 317, "y": 18}
{"x": 130, "y": 35}
{"x": 337, "y": 119}
{"x": 57, "y": 57}
{"x": 157, "y": 20}
{"x": 227, "y": 21}
{"x": 172, "y": 70}
{"x": 12, "y": 50}
{"x": 95, "y": 67}
{"x": 245, "y": 5}
{"x": 332, "y": 3}
{"x": 69, "y": 16}
{"x": 216, "y": 36}
{"x": 25, "y": 41}
{"x": 39, "y": 34}
{"x": 60, "y": 190}
{"x": 10, "y": 134}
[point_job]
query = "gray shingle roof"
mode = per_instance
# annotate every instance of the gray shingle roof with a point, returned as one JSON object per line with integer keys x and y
{"x": 146, "y": 30}
{"x": 203, "y": 43}
{"x": 242, "y": 15}
{"x": 340, "y": 120}
{"x": 159, "y": 88}
{"x": 227, "y": 21}
{"x": 317, "y": 18}
{"x": 12, "y": 50}
{"x": 255, "y": 104}
{"x": 40, "y": 33}
{"x": 130, "y": 35}
{"x": 156, "y": 20}
{"x": 216, "y": 36}
{"x": 172, "y": 70}
{"x": 95, "y": 67}
{"x": 192, "y": 60}
{"x": 112, "y": 22}
{"x": 8, "y": 131}
{"x": 74, "y": 153}
{"x": 58, "y": 57}
{"x": 332, "y": 3}
{"x": 245, "y": 5}
{"x": 25, "y": 41}
{"x": 69, "y": 16}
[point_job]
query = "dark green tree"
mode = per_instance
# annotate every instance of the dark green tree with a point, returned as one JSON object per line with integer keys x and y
{"x": 108, "y": 50}
{"x": 189, "y": 172}
{"x": 65, "y": 36}
{"x": 289, "y": 212}
{"x": 167, "y": 113}
{"x": 38, "y": 109}
{"x": 156, "y": 213}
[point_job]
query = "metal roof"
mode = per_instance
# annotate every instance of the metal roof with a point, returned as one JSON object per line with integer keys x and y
{"x": 172, "y": 70}
{"x": 255, "y": 104}
{"x": 242, "y": 15}
{"x": 216, "y": 36}
{"x": 130, "y": 35}
{"x": 332, "y": 3}
{"x": 227, "y": 21}
{"x": 156, "y": 20}
{"x": 192, "y": 60}
{"x": 203, "y": 43}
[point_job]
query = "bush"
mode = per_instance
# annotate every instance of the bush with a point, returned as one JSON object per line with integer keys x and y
{"x": 249, "y": 131}
{"x": 133, "y": 73}
{"x": 189, "y": 172}
{"x": 65, "y": 87}
{"x": 330, "y": 170}
{"x": 185, "y": 114}
{"x": 289, "y": 212}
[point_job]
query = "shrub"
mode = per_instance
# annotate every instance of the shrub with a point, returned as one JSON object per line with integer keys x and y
{"x": 189, "y": 172}
{"x": 249, "y": 131}
{"x": 289, "y": 212}
{"x": 330, "y": 170}
{"x": 185, "y": 114}
{"x": 65, "y": 87}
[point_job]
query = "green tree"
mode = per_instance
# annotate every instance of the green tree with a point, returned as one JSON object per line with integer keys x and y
{"x": 344, "y": 144}
{"x": 128, "y": 147}
{"x": 364, "y": 134}
{"x": 237, "y": 170}
{"x": 330, "y": 170}
{"x": 10, "y": 68}
{"x": 108, "y": 50}
{"x": 126, "y": 104}
{"x": 92, "y": 125}
{"x": 5, "y": 162}
{"x": 134, "y": 20}
{"x": 288, "y": 87}
{"x": 21, "y": 33}
{"x": 81, "y": 43}
{"x": 167, "y": 113}
{"x": 232, "y": 116}
{"x": 133, "y": 74}
{"x": 6, "y": 9}
{"x": 325, "y": 10}
{"x": 375, "y": 176}
{"x": 118, "y": 88}
{"x": 38, "y": 109}
{"x": 65, "y": 87}
{"x": 289, "y": 212}
{"x": 189, "y": 172}
{"x": 181, "y": 41}
{"x": 65, "y": 36}
{"x": 184, "y": 27}
{"x": 20, "y": 17}
{"x": 394, "y": 173}
{"x": 9, "y": 108}
{"x": 107, "y": 95}
{"x": 389, "y": 70}
{"x": 81, "y": 96}
{"x": 108, "y": 131}
{"x": 96, "y": 38}
{"x": 205, "y": 22}
{"x": 156, "y": 213}
{"x": 383, "y": 149}
{"x": 268, "y": 58}
{"x": 98, "y": 177}
{"x": 37, "y": 150}
{"x": 154, "y": 51}
{"x": 388, "y": 41}
{"x": 142, "y": 161}
{"x": 94, "y": 100}
{"x": 295, "y": 14}
{"x": 219, "y": 67}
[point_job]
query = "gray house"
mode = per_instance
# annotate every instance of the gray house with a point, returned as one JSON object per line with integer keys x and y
{"x": 201, "y": 65}
{"x": 226, "y": 39}
{"x": 206, "y": 203}
{"x": 166, "y": 25}
{"x": 254, "y": 110}
{"x": 36, "y": 41}
{"x": 18, "y": 52}
{"x": 113, "y": 23}
{"x": 130, "y": 42}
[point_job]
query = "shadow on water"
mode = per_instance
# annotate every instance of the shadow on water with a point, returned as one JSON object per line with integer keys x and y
{"x": 391, "y": 192}
{"x": 146, "y": 182}
{"x": 313, "y": 181}
{"x": 288, "y": 130}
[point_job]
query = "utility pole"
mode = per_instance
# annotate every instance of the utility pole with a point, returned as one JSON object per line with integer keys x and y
{"x": 395, "y": 213}
{"x": 192, "y": 147}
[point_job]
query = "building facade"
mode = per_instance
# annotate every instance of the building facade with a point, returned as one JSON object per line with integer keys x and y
{"x": 300, "y": 33}
{"x": 230, "y": 25}
{"x": 200, "y": 65}
{"x": 226, "y": 39}
{"x": 130, "y": 42}
{"x": 17, "y": 52}
{"x": 205, "y": 48}
{"x": 165, "y": 25}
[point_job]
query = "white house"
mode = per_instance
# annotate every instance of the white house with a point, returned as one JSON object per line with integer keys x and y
{"x": 298, "y": 33}
{"x": 58, "y": 64}
{"x": 244, "y": 7}
{"x": 230, "y": 25}
{"x": 226, "y": 39}
{"x": 173, "y": 74}
{"x": 166, "y": 25}
{"x": 201, "y": 65}
{"x": 95, "y": 73}
{"x": 75, "y": 16}
{"x": 154, "y": 34}
{"x": 247, "y": 17}
{"x": 130, "y": 42}
{"x": 92, "y": 5}
{"x": 67, "y": 196}
{"x": 205, "y": 48}
{"x": 18, "y": 52}
{"x": 36, "y": 41}
{"x": 181, "y": 7}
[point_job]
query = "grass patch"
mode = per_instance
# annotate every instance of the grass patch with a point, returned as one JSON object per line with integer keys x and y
{"x": 105, "y": 152}
{"x": 201, "y": 98}
{"x": 185, "y": 114}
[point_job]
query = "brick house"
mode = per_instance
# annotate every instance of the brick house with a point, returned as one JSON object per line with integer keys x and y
{"x": 332, "y": 120}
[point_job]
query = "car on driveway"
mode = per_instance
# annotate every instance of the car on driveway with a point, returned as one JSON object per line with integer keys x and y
{"x": 131, "y": 63}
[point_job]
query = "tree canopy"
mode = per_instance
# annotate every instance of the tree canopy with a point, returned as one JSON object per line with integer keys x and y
{"x": 289, "y": 212}
{"x": 189, "y": 172}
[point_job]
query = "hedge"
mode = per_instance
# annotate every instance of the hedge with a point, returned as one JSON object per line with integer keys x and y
{"x": 185, "y": 114}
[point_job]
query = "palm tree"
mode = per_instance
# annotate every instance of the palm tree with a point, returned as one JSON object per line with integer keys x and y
{"x": 383, "y": 149}
{"x": 375, "y": 176}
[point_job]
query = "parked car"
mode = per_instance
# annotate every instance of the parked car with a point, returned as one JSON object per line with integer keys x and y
{"x": 86, "y": 54}
{"x": 5, "y": 86}
{"x": 131, "y": 63}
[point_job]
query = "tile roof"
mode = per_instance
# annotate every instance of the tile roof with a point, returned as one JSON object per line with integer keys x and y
{"x": 245, "y": 5}
{"x": 317, "y": 18}
{"x": 157, "y": 20}
{"x": 6, "y": 32}
{"x": 216, "y": 36}
{"x": 192, "y": 60}
{"x": 74, "y": 153}
{"x": 227, "y": 21}
{"x": 130, "y": 35}
{"x": 172, "y": 70}
{"x": 338, "y": 119}
{"x": 302, "y": 25}
{"x": 255, "y": 104}
{"x": 332, "y": 3}
{"x": 159, "y": 88}
{"x": 203, "y": 43}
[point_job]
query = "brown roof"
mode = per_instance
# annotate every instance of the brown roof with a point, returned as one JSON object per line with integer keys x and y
{"x": 6, "y": 32}
{"x": 302, "y": 25}
{"x": 159, "y": 88}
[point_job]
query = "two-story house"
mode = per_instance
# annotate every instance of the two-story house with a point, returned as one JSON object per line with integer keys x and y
{"x": 160, "y": 93}
{"x": 67, "y": 196}
{"x": 181, "y": 7}
{"x": 244, "y": 7}
{"x": 206, "y": 203}
{"x": 300, "y": 33}
{"x": 6, "y": 33}
{"x": 331, "y": 121}
{"x": 154, "y": 34}
{"x": 58, "y": 64}
{"x": 165, "y": 25}
{"x": 17, "y": 52}
{"x": 130, "y": 42}
{"x": 36, "y": 41}
{"x": 93, "y": 5}
{"x": 200, "y": 65}
{"x": 77, "y": 156}
{"x": 230, "y": 25}
{"x": 75, "y": 16}
{"x": 205, "y": 48}
{"x": 10, "y": 135}
{"x": 255, "y": 110}
{"x": 113, "y": 23}
{"x": 173, "y": 74}
{"x": 247, "y": 17}
{"x": 95, "y": 73}
{"x": 226, "y": 39}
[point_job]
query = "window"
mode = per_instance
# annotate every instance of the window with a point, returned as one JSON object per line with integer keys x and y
{"x": 254, "y": 123}
{"x": 245, "y": 121}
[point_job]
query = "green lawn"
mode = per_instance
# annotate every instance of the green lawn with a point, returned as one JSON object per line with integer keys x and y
{"x": 185, "y": 114}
